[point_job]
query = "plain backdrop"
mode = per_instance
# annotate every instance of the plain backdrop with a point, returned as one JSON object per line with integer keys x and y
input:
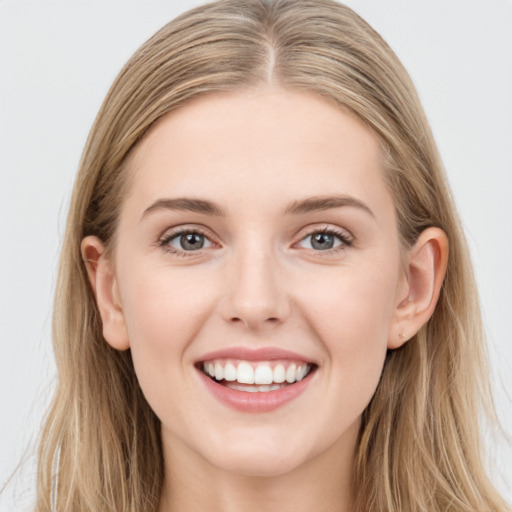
{"x": 57, "y": 60}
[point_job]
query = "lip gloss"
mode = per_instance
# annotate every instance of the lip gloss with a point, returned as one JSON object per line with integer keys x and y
{"x": 257, "y": 402}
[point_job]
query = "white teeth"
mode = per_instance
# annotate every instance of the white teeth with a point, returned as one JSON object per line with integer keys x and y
{"x": 245, "y": 374}
{"x": 238, "y": 387}
{"x": 254, "y": 389}
{"x": 250, "y": 390}
{"x": 230, "y": 372}
{"x": 279, "y": 374}
{"x": 273, "y": 387}
{"x": 260, "y": 375}
{"x": 263, "y": 375}
{"x": 291, "y": 373}
{"x": 219, "y": 371}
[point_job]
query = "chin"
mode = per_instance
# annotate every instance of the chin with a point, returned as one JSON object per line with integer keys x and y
{"x": 258, "y": 465}
{"x": 258, "y": 456}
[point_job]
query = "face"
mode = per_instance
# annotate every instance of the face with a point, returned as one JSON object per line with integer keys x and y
{"x": 257, "y": 272}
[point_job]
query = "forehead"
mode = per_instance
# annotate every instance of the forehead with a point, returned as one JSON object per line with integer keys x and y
{"x": 261, "y": 144}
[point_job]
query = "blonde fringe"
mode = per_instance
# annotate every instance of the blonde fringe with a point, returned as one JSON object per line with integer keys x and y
{"x": 420, "y": 446}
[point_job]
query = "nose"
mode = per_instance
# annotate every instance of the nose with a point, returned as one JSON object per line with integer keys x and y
{"x": 255, "y": 290}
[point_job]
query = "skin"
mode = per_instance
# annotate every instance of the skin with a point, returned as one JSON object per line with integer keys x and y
{"x": 259, "y": 282}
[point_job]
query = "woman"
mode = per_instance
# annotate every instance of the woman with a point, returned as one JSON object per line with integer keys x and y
{"x": 265, "y": 298}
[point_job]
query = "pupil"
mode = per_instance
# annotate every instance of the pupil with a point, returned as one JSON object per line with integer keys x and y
{"x": 322, "y": 241}
{"x": 192, "y": 241}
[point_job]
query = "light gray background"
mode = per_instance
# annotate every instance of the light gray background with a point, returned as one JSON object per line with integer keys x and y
{"x": 57, "y": 59}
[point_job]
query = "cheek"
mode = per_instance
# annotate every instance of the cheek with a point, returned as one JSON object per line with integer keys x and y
{"x": 163, "y": 313}
{"x": 351, "y": 314}
{"x": 163, "y": 309}
{"x": 352, "y": 305}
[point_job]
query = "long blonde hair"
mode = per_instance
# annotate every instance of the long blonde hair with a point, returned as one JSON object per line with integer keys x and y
{"x": 419, "y": 446}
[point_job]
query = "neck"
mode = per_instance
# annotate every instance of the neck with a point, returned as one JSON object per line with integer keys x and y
{"x": 323, "y": 483}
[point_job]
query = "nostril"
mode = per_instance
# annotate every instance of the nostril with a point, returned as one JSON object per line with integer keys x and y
{"x": 272, "y": 319}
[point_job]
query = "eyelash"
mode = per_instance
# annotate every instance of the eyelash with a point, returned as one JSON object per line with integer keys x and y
{"x": 165, "y": 239}
{"x": 343, "y": 236}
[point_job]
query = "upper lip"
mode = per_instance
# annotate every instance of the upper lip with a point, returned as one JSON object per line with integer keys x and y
{"x": 257, "y": 354}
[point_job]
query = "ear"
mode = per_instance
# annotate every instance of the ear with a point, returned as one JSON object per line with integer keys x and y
{"x": 104, "y": 284}
{"x": 422, "y": 281}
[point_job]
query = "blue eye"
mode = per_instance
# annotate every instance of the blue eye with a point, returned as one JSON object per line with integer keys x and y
{"x": 324, "y": 240}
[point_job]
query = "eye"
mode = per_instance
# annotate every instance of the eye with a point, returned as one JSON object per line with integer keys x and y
{"x": 324, "y": 240}
{"x": 185, "y": 241}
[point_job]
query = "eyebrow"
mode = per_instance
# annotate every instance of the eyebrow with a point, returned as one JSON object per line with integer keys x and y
{"x": 185, "y": 204}
{"x": 308, "y": 205}
{"x": 320, "y": 203}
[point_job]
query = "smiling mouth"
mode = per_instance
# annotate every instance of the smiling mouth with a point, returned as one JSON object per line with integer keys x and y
{"x": 256, "y": 377}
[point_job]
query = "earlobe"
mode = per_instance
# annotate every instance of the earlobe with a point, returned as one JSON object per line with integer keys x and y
{"x": 104, "y": 285}
{"x": 426, "y": 268}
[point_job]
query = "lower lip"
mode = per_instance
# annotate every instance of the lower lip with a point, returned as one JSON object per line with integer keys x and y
{"x": 262, "y": 401}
